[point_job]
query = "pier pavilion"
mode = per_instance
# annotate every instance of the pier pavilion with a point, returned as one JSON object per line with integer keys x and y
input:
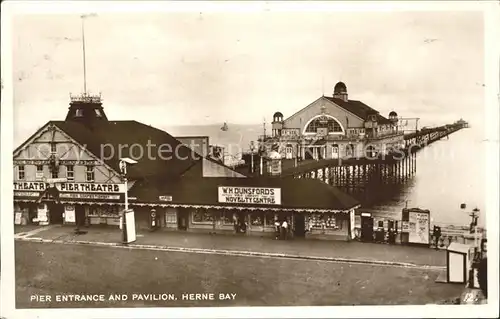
{"x": 68, "y": 172}
{"x": 333, "y": 127}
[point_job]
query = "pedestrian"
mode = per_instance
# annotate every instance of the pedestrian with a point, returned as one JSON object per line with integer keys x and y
{"x": 284, "y": 229}
{"x": 437, "y": 235}
{"x": 277, "y": 229}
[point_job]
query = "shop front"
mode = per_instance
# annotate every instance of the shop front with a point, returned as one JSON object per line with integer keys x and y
{"x": 246, "y": 207}
{"x": 67, "y": 203}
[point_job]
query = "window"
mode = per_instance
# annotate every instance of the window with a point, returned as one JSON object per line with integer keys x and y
{"x": 269, "y": 218}
{"x": 202, "y": 216}
{"x": 20, "y": 172}
{"x": 288, "y": 151}
{"x": 53, "y": 147}
{"x": 55, "y": 174}
{"x": 335, "y": 151}
{"x": 331, "y": 124}
{"x": 171, "y": 217}
{"x": 78, "y": 113}
{"x": 70, "y": 173}
{"x": 98, "y": 113}
{"x": 90, "y": 173}
{"x": 257, "y": 219}
{"x": 39, "y": 171}
{"x": 350, "y": 150}
{"x": 324, "y": 221}
{"x": 227, "y": 218}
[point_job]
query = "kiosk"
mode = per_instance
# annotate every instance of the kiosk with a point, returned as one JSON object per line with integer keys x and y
{"x": 457, "y": 263}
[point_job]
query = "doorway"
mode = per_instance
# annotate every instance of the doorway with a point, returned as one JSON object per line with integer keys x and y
{"x": 182, "y": 219}
{"x": 366, "y": 228}
{"x": 300, "y": 225}
{"x": 56, "y": 213}
{"x": 79, "y": 215}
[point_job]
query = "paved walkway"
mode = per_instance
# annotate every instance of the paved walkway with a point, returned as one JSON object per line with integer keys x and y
{"x": 312, "y": 249}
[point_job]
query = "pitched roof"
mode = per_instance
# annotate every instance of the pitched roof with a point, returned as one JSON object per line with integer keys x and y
{"x": 358, "y": 108}
{"x": 295, "y": 193}
{"x": 115, "y": 139}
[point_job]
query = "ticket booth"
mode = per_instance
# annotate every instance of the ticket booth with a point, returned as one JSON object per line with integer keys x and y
{"x": 457, "y": 263}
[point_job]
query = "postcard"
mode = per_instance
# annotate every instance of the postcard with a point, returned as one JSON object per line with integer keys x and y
{"x": 249, "y": 159}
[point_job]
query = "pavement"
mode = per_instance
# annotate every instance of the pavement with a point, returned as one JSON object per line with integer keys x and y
{"x": 241, "y": 245}
{"x": 69, "y": 269}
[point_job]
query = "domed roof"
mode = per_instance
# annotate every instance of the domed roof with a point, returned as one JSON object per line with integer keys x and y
{"x": 393, "y": 114}
{"x": 274, "y": 155}
{"x": 278, "y": 114}
{"x": 340, "y": 87}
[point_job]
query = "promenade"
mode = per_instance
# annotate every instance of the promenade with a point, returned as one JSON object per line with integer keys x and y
{"x": 397, "y": 255}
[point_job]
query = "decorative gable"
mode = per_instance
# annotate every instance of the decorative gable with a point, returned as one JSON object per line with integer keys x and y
{"x": 52, "y": 153}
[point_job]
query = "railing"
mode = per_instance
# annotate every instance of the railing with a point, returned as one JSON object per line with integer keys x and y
{"x": 361, "y": 137}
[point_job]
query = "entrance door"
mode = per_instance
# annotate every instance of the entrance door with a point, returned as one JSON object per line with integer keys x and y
{"x": 300, "y": 225}
{"x": 56, "y": 213}
{"x": 182, "y": 219}
{"x": 366, "y": 228}
{"x": 308, "y": 153}
{"x": 79, "y": 215}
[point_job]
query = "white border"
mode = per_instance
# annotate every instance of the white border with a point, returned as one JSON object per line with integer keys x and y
{"x": 492, "y": 34}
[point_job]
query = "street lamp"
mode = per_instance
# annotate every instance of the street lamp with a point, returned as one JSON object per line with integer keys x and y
{"x": 123, "y": 168}
{"x": 252, "y": 149}
{"x": 473, "y": 225}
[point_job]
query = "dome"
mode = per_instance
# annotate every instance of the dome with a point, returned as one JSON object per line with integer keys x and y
{"x": 274, "y": 155}
{"x": 340, "y": 87}
{"x": 393, "y": 114}
{"x": 278, "y": 114}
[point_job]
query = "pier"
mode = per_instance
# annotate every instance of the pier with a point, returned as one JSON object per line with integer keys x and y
{"x": 368, "y": 177}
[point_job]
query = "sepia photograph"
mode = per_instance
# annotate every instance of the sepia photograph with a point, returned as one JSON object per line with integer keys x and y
{"x": 206, "y": 156}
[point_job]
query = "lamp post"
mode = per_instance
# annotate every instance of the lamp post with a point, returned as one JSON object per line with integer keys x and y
{"x": 473, "y": 226}
{"x": 123, "y": 168}
{"x": 252, "y": 149}
{"x": 475, "y": 217}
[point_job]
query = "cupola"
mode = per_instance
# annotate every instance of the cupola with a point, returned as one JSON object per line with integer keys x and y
{"x": 340, "y": 91}
{"x": 86, "y": 109}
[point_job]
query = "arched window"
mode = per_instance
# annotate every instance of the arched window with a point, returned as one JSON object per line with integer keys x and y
{"x": 324, "y": 121}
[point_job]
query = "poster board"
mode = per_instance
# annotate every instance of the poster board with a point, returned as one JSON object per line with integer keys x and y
{"x": 418, "y": 227}
{"x": 130, "y": 226}
{"x": 69, "y": 214}
{"x": 17, "y": 218}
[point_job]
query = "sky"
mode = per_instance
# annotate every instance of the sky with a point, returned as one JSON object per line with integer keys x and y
{"x": 192, "y": 68}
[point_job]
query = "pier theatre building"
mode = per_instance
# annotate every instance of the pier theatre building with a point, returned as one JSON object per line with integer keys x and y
{"x": 68, "y": 172}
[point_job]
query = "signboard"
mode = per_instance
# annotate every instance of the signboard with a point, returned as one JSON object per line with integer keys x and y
{"x": 27, "y": 194}
{"x": 130, "y": 226}
{"x": 42, "y": 216}
{"x": 69, "y": 214}
{"x": 61, "y": 162}
{"x": 89, "y": 196}
{"x": 405, "y": 226}
{"x": 71, "y": 187}
{"x": 419, "y": 227}
{"x": 250, "y": 195}
{"x": 165, "y": 198}
{"x": 17, "y": 218}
